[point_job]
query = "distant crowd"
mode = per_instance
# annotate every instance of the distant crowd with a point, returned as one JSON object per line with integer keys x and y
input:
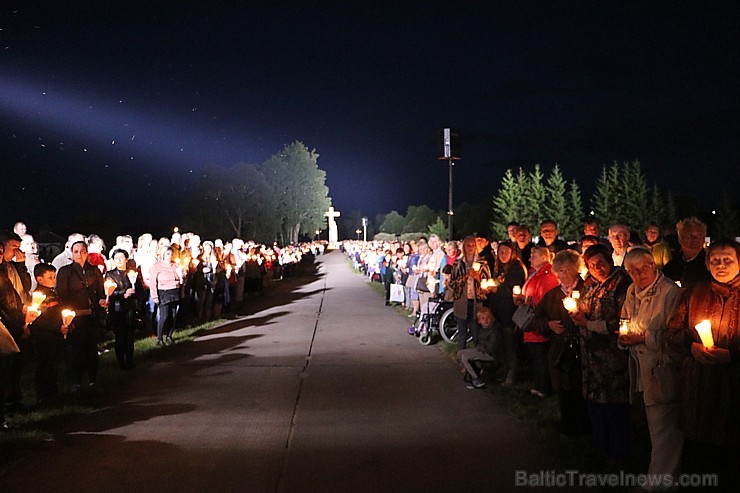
{"x": 605, "y": 322}
{"x": 54, "y": 310}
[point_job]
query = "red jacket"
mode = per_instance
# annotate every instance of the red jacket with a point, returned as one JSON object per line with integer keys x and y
{"x": 534, "y": 289}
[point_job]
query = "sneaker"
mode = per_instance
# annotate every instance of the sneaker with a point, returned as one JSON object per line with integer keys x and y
{"x": 5, "y": 426}
{"x": 477, "y": 383}
{"x": 537, "y": 393}
{"x": 412, "y": 331}
{"x": 160, "y": 343}
{"x": 168, "y": 341}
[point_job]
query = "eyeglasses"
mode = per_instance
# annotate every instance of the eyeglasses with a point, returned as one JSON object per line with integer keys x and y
{"x": 641, "y": 270}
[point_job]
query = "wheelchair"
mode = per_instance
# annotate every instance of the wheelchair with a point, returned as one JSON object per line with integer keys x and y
{"x": 436, "y": 318}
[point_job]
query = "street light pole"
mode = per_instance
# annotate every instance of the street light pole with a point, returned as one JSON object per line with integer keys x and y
{"x": 450, "y": 212}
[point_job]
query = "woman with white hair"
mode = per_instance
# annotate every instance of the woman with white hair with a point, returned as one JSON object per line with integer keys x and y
{"x": 653, "y": 368}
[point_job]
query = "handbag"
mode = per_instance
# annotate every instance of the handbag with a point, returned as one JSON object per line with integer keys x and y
{"x": 421, "y": 284}
{"x": 397, "y": 294}
{"x": 523, "y": 316}
{"x": 411, "y": 281}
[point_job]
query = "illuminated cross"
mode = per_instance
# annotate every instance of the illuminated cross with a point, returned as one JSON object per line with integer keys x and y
{"x": 331, "y": 214}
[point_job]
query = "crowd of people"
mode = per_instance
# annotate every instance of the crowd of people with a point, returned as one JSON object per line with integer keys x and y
{"x": 53, "y": 311}
{"x": 608, "y": 324}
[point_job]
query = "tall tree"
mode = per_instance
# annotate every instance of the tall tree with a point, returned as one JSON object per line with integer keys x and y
{"x": 534, "y": 199}
{"x": 508, "y": 202}
{"x": 606, "y": 199}
{"x": 554, "y": 207}
{"x": 418, "y": 219}
{"x": 634, "y": 196}
{"x": 300, "y": 190}
{"x": 234, "y": 201}
{"x": 392, "y": 223}
{"x": 571, "y": 227}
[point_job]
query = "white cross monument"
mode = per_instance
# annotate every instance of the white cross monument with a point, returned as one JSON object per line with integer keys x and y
{"x": 331, "y": 214}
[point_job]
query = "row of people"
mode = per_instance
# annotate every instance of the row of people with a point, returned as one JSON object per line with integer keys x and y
{"x": 140, "y": 287}
{"x": 659, "y": 295}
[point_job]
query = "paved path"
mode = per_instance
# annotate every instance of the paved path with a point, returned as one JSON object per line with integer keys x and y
{"x": 322, "y": 392}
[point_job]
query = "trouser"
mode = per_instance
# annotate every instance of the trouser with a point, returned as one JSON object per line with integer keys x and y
{"x": 204, "y": 301}
{"x": 510, "y": 352}
{"x": 610, "y": 428}
{"x": 5, "y": 361}
{"x": 467, "y": 326}
{"x": 167, "y": 319}
{"x": 666, "y": 439}
{"x": 123, "y": 328}
{"x": 472, "y": 354}
{"x": 83, "y": 340}
{"x": 573, "y": 413}
{"x": 540, "y": 368}
{"x": 17, "y": 362}
{"x": 47, "y": 368}
{"x": 150, "y": 316}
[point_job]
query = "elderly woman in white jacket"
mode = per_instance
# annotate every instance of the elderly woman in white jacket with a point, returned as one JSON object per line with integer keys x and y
{"x": 653, "y": 367}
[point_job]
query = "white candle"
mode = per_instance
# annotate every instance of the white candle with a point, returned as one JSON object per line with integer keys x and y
{"x": 624, "y": 326}
{"x": 517, "y": 290}
{"x": 110, "y": 286}
{"x": 576, "y": 295}
{"x": 570, "y": 304}
{"x": 68, "y": 316}
{"x": 37, "y": 298}
{"x": 704, "y": 329}
{"x": 476, "y": 266}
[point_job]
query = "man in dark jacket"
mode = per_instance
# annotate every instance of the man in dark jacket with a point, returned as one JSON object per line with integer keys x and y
{"x": 689, "y": 266}
{"x": 549, "y": 237}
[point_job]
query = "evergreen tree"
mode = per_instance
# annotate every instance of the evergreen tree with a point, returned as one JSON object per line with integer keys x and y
{"x": 439, "y": 228}
{"x": 508, "y": 202}
{"x": 726, "y": 223}
{"x": 534, "y": 212}
{"x": 571, "y": 227}
{"x": 671, "y": 216}
{"x": 555, "y": 206}
{"x": 634, "y": 196}
{"x": 418, "y": 218}
{"x": 656, "y": 208}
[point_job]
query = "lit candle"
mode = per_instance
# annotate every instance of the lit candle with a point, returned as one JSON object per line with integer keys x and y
{"x": 34, "y": 309}
{"x": 624, "y": 326}
{"x": 476, "y": 266}
{"x": 678, "y": 283}
{"x": 68, "y": 316}
{"x": 570, "y": 304}
{"x": 37, "y": 297}
{"x": 110, "y": 286}
{"x": 704, "y": 329}
{"x": 517, "y": 290}
{"x": 576, "y": 295}
{"x": 132, "y": 275}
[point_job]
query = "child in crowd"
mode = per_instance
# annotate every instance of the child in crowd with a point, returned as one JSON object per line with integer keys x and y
{"x": 484, "y": 351}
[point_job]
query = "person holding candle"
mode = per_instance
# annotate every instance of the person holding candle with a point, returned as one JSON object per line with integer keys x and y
{"x": 80, "y": 287}
{"x": 689, "y": 265}
{"x": 653, "y": 366}
{"x": 122, "y": 307}
{"x": 540, "y": 281}
{"x": 47, "y": 334}
{"x": 465, "y": 284}
{"x": 508, "y": 272}
{"x": 605, "y": 373}
{"x": 552, "y": 320}
{"x": 710, "y": 396}
{"x": 165, "y": 280}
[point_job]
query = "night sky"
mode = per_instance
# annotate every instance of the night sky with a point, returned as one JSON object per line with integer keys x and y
{"x": 115, "y": 108}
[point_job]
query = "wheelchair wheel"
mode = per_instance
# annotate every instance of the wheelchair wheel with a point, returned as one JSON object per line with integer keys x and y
{"x": 448, "y": 327}
{"x": 426, "y": 339}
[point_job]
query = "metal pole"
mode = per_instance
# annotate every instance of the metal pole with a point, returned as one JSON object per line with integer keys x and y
{"x": 449, "y": 204}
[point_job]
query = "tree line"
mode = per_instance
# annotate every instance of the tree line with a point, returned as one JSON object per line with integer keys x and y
{"x": 621, "y": 194}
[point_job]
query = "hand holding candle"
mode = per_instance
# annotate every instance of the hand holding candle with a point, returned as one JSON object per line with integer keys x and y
{"x": 517, "y": 291}
{"x": 570, "y": 304}
{"x": 704, "y": 329}
{"x": 476, "y": 266}
{"x": 68, "y": 316}
{"x": 110, "y": 286}
{"x": 37, "y": 297}
{"x": 624, "y": 326}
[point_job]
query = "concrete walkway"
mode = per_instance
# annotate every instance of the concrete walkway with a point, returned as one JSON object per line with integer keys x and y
{"x": 323, "y": 391}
